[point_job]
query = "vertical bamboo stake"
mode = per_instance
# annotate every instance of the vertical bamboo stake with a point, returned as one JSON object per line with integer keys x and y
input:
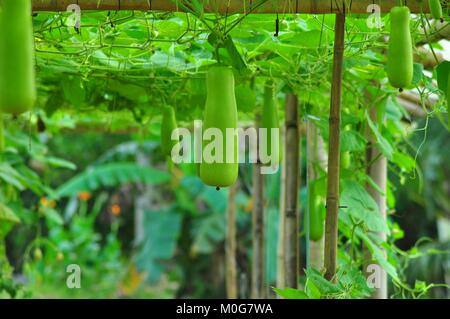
{"x": 317, "y": 155}
{"x": 281, "y": 273}
{"x": 291, "y": 191}
{"x": 230, "y": 245}
{"x": 331, "y": 222}
{"x": 257, "y": 289}
{"x": 378, "y": 172}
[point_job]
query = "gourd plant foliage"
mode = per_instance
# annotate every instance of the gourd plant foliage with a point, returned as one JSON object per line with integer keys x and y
{"x": 134, "y": 63}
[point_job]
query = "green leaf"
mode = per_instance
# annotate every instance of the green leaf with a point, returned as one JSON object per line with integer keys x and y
{"x": 11, "y": 176}
{"x": 207, "y": 232}
{"x": 236, "y": 59}
{"x": 383, "y": 144}
{"x": 53, "y": 216}
{"x": 73, "y": 91}
{"x": 442, "y": 71}
{"x": 110, "y": 175}
{"x": 57, "y": 162}
{"x": 162, "y": 229}
{"x": 377, "y": 254}
{"x": 404, "y": 161}
{"x": 417, "y": 74}
{"x": 361, "y": 206}
{"x": 6, "y": 214}
{"x": 291, "y": 293}
{"x": 324, "y": 286}
{"x": 352, "y": 141}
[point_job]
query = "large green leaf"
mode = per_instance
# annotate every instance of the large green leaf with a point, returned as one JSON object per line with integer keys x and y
{"x": 110, "y": 175}
{"x": 291, "y": 293}
{"x": 377, "y": 253}
{"x": 352, "y": 141}
{"x": 382, "y": 143}
{"x": 162, "y": 229}
{"x": 361, "y": 206}
{"x": 207, "y": 232}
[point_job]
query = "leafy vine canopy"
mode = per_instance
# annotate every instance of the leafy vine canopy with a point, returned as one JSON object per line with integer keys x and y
{"x": 132, "y": 63}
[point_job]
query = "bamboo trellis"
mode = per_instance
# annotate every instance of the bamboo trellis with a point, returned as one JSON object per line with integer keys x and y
{"x": 235, "y": 6}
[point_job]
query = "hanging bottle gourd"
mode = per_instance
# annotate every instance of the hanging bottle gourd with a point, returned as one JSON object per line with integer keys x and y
{"x": 17, "y": 86}
{"x": 400, "y": 56}
{"x": 269, "y": 121}
{"x": 316, "y": 213}
{"x": 168, "y": 125}
{"x": 221, "y": 170}
{"x": 436, "y": 9}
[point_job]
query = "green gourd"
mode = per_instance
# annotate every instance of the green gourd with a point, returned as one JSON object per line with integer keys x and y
{"x": 220, "y": 113}
{"x": 436, "y": 9}
{"x": 400, "y": 56}
{"x": 17, "y": 86}
{"x": 168, "y": 125}
{"x": 316, "y": 213}
{"x": 269, "y": 120}
{"x": 345, "y": 160}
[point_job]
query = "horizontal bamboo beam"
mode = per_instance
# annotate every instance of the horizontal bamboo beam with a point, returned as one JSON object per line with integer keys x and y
{"x": 234, "y": 6}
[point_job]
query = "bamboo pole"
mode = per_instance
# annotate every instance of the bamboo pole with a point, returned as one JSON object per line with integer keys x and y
{"x": 257, "y": 285}
{"x": 230, "y": 245}
{"x": 281, "y": 273}
{"x": 291, "y": 191}
{"x": 378, "y": 173}
{"x": 331, "y": 222}
{"x": 233, "y": 6}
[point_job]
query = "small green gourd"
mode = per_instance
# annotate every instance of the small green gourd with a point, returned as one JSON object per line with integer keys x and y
{"x": 316, "y": 213}
{"x": 436, "y": 9}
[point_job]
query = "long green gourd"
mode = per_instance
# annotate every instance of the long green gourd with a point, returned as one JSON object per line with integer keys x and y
{"x": 220, "y": 113}
{"x": 316, "y": 213}
{"x": 400, "y": 64}
{"x": 269, "y": 120}
{"x": 436, "y": 9}
{"x": 17, "y": 84}
{"x": 168, "y": 125}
